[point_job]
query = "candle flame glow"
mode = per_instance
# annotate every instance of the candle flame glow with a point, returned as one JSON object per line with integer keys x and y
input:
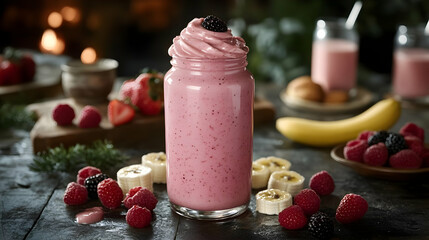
{"x": 70, "y": 14}
{"x": 88, "y": 55}
{"x": 50, "y": 43}
{"x": 55, "y": 19}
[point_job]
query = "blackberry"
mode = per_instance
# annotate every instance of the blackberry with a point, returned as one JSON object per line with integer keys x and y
{"x": 214, "y": 24}
{"x": 92, "y": 182}
{"x": 321, "y": 226}
{"x": 379, "y": 137}
{"x": 395, "y": 142}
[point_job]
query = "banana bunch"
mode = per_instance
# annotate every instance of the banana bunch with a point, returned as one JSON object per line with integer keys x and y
{"x": 156, "y": 161}
{"x": 288, "y": 181}
{"x": 272, "y": 201}
{"x": 133, "y": 176}
{"x": 381, "y": 116}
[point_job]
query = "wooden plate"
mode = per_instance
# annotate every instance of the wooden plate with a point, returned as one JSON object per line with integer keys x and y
{"x": 360, "y": 99}
{"x": 378, "y": 172}
{"x": 46, "y": 80}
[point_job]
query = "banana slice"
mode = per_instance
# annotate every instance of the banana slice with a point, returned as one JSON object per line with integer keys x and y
{"x": 272, "y": 201}
{"x": 274, "y": 163}
{"x": 289, "y": 181}
{"x": 133, "y": 176}
{"x": 156, "y": 161}
{"x": 260, "y": 175}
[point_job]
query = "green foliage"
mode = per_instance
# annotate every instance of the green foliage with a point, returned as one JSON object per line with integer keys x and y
{"x": 101, "y": 154}
{"x": 15, "y": 116}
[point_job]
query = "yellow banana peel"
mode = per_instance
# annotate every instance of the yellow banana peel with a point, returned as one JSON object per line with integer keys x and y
{"x": 381, "y": 116}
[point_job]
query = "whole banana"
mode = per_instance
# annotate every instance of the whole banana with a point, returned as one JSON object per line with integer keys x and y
{"x": 381, "y": 116}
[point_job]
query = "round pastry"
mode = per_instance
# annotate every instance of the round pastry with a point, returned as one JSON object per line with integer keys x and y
{"x": 304, "y": 88}
{"x": 336, "y": 96}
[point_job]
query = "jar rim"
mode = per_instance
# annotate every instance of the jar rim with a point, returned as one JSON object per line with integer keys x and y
{"x": 201, "y": 63}
{"x": 331, "y": 22}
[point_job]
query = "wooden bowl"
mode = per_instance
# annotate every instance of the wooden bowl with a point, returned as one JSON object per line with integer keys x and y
{"x": 378, "y": 172}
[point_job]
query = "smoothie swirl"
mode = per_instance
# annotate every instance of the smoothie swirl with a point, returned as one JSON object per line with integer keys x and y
{"x": 197, "y": 42}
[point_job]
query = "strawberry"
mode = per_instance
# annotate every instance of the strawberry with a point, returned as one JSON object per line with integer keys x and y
{"x": 355, "y": 149}
{"x": 308, "y": 200}
{"x": 142, "y": 197}
{"x": 145, "y": 92}
{"x": 109, "y": 193}
{"x": 27, "y": 66}
{"x": 63, "y": 114}
{"x": 376, "y": 155}
{"x": 425, "y": 156}
{"x": 322, "y": 183}
{"x": 138, "y": 217}
{"x": 9, "y": 73}
{"x": 405, "y": 159}
{"x": 119, "y": 113}
{"x": 75, "y": 194}
{"x": 351, "y": 208}
{"x": 90, "y": 117}
{"x": 292, "y": 218}
{"x": 413, "y": 130}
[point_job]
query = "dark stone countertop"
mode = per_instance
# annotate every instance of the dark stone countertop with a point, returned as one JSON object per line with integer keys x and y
{"x": 31, "y": 204}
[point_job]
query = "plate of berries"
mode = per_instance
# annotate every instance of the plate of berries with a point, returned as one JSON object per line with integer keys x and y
{"x": 387, "y": 155}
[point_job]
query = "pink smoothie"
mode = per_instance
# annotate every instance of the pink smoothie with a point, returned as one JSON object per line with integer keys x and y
{"x": 411, "y": 72}
{"x": 90, "y": 215}
{"x": 334, "y": 63}
{"x": 208, "y": 120}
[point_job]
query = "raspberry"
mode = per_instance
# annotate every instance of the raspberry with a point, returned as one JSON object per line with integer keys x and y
{"x": 411, "y": 129}
{"x": 322, "y": 183}
{"x": 75, "y": 194}
{"x": 308, "y": 200}
{"x": 352, "y": 207}
{"x": 292, "y": 218}
{"x": 110, "y": 193}
{"x": 405, "y": 159}
{"x": 138, "y": 217}
{"x": 376, "y": 155}
{"x": 395, "y": 142}
{"x": 63, "y": 114}
{"x": 90, "y": 117}
{"x": 321, "y": 226}
{"x": 85, "y": 172}
{"x": 92, "y": 182}
{"x": 214, "y": 24}
{"x": 414, "y": 143}
{"x": 365, "y": 135}
{"x": 142, "y": 197}
{"x": 355, "y": 149}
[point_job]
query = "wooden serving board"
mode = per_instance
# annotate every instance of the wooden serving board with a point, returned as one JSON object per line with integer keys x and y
{"x": 143, "y": 129}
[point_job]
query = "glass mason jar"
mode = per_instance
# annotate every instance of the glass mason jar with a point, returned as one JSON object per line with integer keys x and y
{"x": 334, "y": 57}
{"x": 411, "y": 63}
{"x": 209, "y": 136}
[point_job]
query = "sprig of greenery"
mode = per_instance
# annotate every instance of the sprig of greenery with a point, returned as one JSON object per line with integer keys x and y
{"x": 15, "y": 116}
{"x": 101, "y": 154}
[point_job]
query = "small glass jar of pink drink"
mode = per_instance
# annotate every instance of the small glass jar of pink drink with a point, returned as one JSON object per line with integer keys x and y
{"x": 411, "y": 63}
{"x": 208, "y": 97}
{"x": 334, "y": 57}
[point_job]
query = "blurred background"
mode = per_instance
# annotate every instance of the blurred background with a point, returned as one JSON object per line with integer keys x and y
{"x": 138, "y": 33}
